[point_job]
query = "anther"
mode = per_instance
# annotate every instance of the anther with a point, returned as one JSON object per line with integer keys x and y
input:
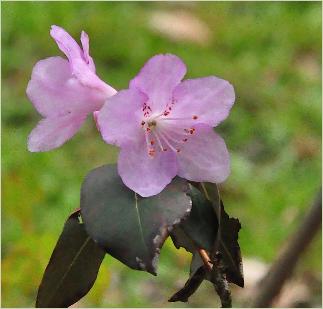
{"x": 152, "y": 142}
{"x": 178, "y": 150}
{"x": 185, "y": 140}
{"x": 165, "y": 149}
{"x": 194, "y": 117}
{"x": 143, "y": 123}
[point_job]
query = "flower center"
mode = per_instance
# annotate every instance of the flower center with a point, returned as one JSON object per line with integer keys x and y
{"x": 163, "y": 133}
{"x": 151, "y": 124}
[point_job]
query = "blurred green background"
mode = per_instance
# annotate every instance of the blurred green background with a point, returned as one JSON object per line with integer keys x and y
{"x": 270, "y": 52}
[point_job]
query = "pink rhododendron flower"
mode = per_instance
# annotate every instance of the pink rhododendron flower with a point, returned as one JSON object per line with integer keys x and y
{"x": 64, "y": 92}
{"x": 164, "y": 126}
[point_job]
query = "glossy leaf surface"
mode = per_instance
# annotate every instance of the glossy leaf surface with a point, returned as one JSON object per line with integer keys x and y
{"x": 72, "y": 269}
{"x": 129, "y": 227}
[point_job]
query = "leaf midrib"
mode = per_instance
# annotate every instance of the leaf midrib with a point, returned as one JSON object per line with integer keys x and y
{"x": 139, "y": 223}
{"x": 69, "y": 267}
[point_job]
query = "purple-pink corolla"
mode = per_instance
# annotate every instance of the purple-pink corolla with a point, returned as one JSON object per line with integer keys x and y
{"x": 64, "y": 92}
{"x": 164, "y": 126}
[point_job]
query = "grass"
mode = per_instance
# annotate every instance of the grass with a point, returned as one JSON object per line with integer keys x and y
{"x": 270, "y": 52}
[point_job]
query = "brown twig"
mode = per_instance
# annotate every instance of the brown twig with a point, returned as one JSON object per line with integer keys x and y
{"x": 206, "y": 259}
{"x": 219, "y": 280}
{"x": 286, "y": 262}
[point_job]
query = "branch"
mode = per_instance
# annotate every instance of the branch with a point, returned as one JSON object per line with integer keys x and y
{"x": 206, "y": 259}
{"x": 286, "y": 262}
{"x": 218, "y": 276}
{"x": 220, "y": 282}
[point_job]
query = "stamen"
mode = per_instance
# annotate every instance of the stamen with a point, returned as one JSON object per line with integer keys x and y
{"x": 167, "y": 142}
{"x": 174, "y": 118}
{"x": 171, "y": 138}
{"x": 194, "y": 117}
{"x": 190, "y": 131}
{"x": 158, "y": 141}
{"x": 151, "y": 151}
{"x": 183, "y": 137}
{"x": 159, "y": 115}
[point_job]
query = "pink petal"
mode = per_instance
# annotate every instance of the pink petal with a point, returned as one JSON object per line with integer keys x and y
{"x": 54, "y": 91}
{"x": 86, "y": 51}
{"x": 120, "y": 118}
{"x": 66, "y": 43}
{"x": 204, "y": 157}
{"x": 52, "y": 132}
{"x": 158, "y": 78}
{"x": 89, "y": 79}
{"x": 208, "y": 98}
{"x": 144, "y": 174}
{"x": 81, "y": 63}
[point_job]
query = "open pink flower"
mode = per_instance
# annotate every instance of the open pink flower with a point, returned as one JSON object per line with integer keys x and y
{"x": 64, "y": 92}
{"x": 164, "y": 126}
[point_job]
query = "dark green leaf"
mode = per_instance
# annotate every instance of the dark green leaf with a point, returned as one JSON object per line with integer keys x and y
{"x": 129, "y": 227}
{"x": 72, "y": 268}
{"x": 190, "y": 286}
{"x": 211, "y": 192}
{"x": 230, "y": 253}
{"x": 180, "y": 239}
{"x": 227, "y": 242}
{"x": 230, "y": 249}
{"x": 199, "y": 229}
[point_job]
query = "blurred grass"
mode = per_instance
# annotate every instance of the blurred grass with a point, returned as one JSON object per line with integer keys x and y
{"x": 270, "y": 52}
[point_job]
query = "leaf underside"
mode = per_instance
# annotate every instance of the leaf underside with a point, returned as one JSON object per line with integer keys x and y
{"x": 200, "y": 230}
{"x": 190, "y": 286}
{"x": 72, "y": 268}
{"x": 129, "y": 227}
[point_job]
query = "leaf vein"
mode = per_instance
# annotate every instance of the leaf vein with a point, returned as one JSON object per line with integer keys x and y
{"x": 140, "y": 224}
{"x": 70, "y": 267}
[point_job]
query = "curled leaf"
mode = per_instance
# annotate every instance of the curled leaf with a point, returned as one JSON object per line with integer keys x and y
{"x": 203, "y": 229}
{"x": 190, "y": 286}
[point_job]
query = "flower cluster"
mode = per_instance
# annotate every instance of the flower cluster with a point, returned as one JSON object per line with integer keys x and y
{"x": 163, "y": 125}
